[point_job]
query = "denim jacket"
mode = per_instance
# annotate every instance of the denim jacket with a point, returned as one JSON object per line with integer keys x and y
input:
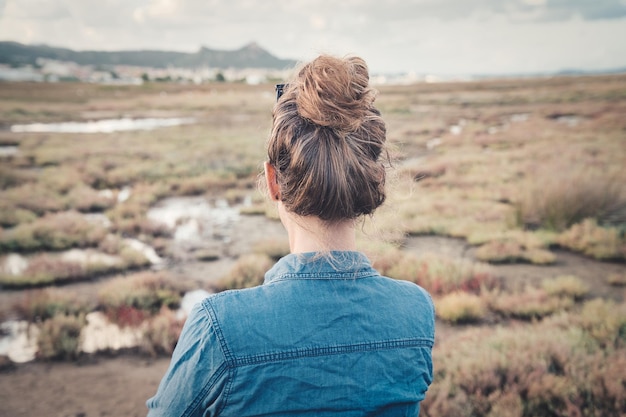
{"x": 323, "y": 336}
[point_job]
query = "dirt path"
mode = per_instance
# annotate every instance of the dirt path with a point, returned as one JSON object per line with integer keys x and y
{"x": 115, "y": 386}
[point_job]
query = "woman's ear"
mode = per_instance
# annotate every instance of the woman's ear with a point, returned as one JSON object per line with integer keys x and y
{"x": 272, "y": 181}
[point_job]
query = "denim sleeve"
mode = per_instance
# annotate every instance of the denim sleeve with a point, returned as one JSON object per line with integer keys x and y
{"x": 198, "y": 374}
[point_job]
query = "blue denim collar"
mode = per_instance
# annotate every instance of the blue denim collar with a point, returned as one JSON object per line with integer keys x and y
{"x": 314, "y": 265}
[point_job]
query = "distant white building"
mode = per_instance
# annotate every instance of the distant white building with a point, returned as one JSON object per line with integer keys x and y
{"x": 20, "y": 74}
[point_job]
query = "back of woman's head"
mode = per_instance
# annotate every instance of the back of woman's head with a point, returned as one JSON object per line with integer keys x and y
{"x": 326, "y": 141}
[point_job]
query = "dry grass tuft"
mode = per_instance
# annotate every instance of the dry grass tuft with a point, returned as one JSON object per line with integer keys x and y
{"x": 595, "y": 241}
{"x": 566, "y": 286}
{"x": 60, "y": 337}
{"x": 42, "y": 305}
{"x": 161, "y": 333}
{"x": 129, "y": 300}
{"x": 529, "y": 304}
{"x": 52, "y": 232}
{"x": 561, "y": 198}
{"x": 437, "y": 274}
{"x": 460, "y": 307}
{"x": 249, "y": 271}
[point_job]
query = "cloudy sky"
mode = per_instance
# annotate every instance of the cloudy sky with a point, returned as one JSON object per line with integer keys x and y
{"x": 424, "y": 36}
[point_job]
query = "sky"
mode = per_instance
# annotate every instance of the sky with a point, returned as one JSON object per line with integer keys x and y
{"x": 447, "y": 37}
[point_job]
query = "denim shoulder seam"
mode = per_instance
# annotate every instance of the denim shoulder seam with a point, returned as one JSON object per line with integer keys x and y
{"x": 333, "y": 350}
{"x": 205, "y": 390}
{"x": 208, "y": 306}
{"x": 229, "y": 384}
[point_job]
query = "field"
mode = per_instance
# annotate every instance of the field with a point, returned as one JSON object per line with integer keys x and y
{"x": 506, "y": 200}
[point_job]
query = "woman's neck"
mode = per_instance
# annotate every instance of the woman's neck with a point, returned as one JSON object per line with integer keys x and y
{"x": 311, "y": 234}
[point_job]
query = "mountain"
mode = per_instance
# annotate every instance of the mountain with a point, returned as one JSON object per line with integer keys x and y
{"x": 250, "y": 56}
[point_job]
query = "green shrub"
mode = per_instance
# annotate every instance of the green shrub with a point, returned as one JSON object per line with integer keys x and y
{"x": 130, "y": 218}
{"x": 59, "y": 337}
{"x": 202, "y": 184}
{"x": 161, "y": 333}
{"x": 73, "y": 265}
{"x": 36, "y": 198}
{"x": 605, "y": 322}
{"x": 460, "y": 307}
{"x": 52, "y": 232}
{"x": 11, "y": 216}
{"x": 41, "y": 305}
{"x": 44, "y": 269}
{"x": 86, "y": 199}
{"x": 249, "y": 271}
{"x": 129, "y": 300}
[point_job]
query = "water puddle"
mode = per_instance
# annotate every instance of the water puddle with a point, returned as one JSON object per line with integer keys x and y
{"x": 519, "y": 117}
{"x": 439, "y": 245}
{"x": 16, "y": 265}
{"x": 100, "y": 334}
{"x": 146, "y": 250}
{"x": 19, "y": 342}
{"x": 569, "y": 120}
{"x": 196, "y": 219}
{"x": 18, "y": 338}
{"x": 103, "y": 126}
{"x": 189, "y": 300}
{"x": 8, "y": 151}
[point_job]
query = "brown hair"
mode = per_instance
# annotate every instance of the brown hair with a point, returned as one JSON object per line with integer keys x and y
{"x": 326, "y": 141}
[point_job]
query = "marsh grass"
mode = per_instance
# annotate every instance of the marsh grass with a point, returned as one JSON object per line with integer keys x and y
{"x": 512, "y": 249}
{"x": 591, "y": 239}
{"x": 41, "y": 305}
{"x": 570, "y": 364}
{"x": 549, "y": 354}
{"x": 129, "y": 300}
{"x": 617, "y": 279}
{"x": 161, "y": 333}
{"x": 274, "y": 248}
{"x": 34, "y": 197}
{"x": 531, "y": 303}
{"x": 86, "y": 199}
{"x": 52, "y": 232}
{"x": 60, "y": 337}
{"x": 461, "y": 308}
{"x": 566, "y": 286}
{"x": 436, "y": 273}
{"x": 55, "y": 268}
{"x": 248, "y": 271}
{"x": 561, "y": 198}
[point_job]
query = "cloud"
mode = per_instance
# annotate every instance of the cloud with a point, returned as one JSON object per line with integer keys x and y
{"x": 454, "y": 36}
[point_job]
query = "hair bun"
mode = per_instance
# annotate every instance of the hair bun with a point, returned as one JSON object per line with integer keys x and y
{"x": 334, "y": 92}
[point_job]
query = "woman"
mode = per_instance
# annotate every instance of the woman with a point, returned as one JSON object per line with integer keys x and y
{"x": 325, "y": 335}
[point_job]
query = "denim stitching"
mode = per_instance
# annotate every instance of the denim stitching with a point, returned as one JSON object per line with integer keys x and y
{"x": 332, "y": 350}
{"x": 323, "y": 275}
{"x": 215, "y": 323}
{"x": 205, "y": 390}
{"x": 229, "y": 384}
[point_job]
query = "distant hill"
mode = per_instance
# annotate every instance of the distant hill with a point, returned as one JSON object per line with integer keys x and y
{"x": 250, "y": 56}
